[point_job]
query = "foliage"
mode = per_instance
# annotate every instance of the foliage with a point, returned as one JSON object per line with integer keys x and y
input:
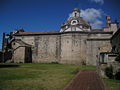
{"x": 76, "y": 71}
{"x": 117, "y": 76}
{"x": 118, "y": 58}
{"x": 112, "y": 84}
{"x": 109, "y": 72}
{"x": 54, "y": 62}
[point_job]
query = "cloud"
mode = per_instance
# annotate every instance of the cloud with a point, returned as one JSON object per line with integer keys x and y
{"x": 98, "y": 1}
{"x": 93, "y": 16}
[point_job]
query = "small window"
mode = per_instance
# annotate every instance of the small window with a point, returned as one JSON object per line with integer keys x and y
{"x": 75, "y": 14}
{"x": 74, "y": 22}
{"x": 14, "y": 43}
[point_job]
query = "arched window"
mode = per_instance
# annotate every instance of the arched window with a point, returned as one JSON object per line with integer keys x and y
{"x": 74, "y": 22}
{"x": 75, "y": 14}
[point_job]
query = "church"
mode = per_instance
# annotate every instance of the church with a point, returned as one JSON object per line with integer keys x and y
{"x": 75, "y": 43}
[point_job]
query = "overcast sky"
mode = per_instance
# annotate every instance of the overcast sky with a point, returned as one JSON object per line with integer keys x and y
{"x": 46, "y": 15}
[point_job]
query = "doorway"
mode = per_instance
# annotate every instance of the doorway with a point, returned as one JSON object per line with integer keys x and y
{"x": 28, "y": 55}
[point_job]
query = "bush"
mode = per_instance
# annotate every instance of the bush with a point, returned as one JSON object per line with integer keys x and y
{"x": 109, "y": 72}
{"x": 75, "y": 71}
{"x": 83, "y": 62}
{"x": 118, "y": 58}
{"x": 54, "y": 63}
{"x": 117, "y": 76}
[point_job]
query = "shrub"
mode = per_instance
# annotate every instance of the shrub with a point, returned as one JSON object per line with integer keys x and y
{"x": 75, "y": 71}
{"x": 118, "y": 58}
{"x": 83, "y": 62}
{"x": 117, "y": 76}
{"x": 54, "y": 63}
{"x": 109, "y": 72}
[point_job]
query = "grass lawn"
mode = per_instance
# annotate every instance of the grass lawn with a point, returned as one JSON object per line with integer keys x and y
{"x": 112, "y": 84}
{"x": 39, "y": 76}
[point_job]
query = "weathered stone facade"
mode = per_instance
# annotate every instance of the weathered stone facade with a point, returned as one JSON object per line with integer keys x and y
{"x": 66, "y": 47}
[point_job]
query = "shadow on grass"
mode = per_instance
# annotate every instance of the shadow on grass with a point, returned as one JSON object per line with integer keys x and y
{"x": 9, "y": 66}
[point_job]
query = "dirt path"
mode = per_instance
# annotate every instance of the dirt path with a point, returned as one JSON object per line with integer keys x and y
{"x": 86, "y": 80}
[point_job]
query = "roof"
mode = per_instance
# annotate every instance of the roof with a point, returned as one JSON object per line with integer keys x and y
{"x": 38, "y": 32}
{"x": 57, "y": 32}
{"x": 97, "y": 30}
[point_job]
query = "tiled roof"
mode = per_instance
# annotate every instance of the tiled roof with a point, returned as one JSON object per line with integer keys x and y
{"x": 97, "y": 30}
{"x": 39, "y": 32}
{"x": 57, "y": 32}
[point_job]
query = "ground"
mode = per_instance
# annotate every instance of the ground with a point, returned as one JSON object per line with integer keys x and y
{"x": 42, "y": 76}
{"x": 112, "y": 84}
{"x": 37, "y": 76}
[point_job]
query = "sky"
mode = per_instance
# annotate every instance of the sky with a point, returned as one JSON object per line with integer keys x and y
{"x": 48, "y": 15}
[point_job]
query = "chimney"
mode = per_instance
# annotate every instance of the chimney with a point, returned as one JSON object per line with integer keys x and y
{"x": 108, "y": 20}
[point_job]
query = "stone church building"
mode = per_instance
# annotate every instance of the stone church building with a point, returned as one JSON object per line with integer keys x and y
{"x": 75, "y": 43}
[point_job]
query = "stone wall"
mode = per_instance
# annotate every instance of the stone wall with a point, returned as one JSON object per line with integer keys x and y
{"x": 73, "y": 48}
{"x": 69, "y": 47}
{"x": 19, "y": 55}
{"x": 46, "y": 48}
{"x": 94, "y": 47}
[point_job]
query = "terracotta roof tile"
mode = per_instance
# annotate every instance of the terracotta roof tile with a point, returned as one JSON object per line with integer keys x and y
{"x": 39, "y": 32}
{"x": 97, "y": 30}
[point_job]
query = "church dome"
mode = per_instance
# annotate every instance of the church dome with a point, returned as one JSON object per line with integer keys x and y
{"x": 75, "y": 22}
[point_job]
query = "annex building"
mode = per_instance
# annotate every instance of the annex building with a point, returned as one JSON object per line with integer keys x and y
{"x": 76, "y": 43}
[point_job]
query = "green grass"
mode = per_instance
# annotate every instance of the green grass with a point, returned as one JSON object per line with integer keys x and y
{"x": 112, "y": 84}
{"x": 39, "y": 76}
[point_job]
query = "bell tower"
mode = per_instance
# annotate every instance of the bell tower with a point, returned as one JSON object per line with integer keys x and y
{"x": 113, "y": 26}
{"x": 75, "y": 13}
